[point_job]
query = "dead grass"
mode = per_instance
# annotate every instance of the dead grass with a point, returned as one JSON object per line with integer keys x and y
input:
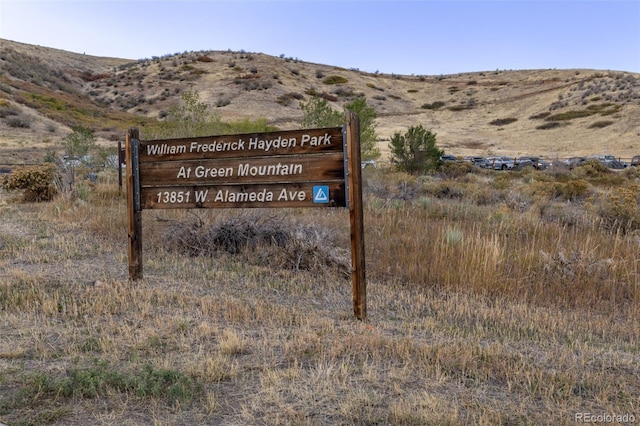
{"x": 478, "y": 314}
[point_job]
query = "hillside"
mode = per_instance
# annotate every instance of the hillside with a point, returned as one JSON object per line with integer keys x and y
{"x": 493, "y": 298}
{"x": 554, "y": 113}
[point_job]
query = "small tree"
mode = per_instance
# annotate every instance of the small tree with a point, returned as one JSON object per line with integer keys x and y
{"x": 77, "y": 146}
{"x": 318, "y": 113}
{"x": 192, "y": 115}
{"x": 79, "y": 143}
{"x": 191, "y": 118}
{"x": 415, "y": 152}
{"x": 368, "y": 136}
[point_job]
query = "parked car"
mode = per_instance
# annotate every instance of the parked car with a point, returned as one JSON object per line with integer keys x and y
{"x": 523, "y": 162}
{"x": 574, "y": 161}
{"x": 535, "y": 162}
{"x": 444, "y": 158}
{"x": 500, "y": 163}
{"x": 635, "y": 161}
{"x": 609, "y": 161}
{"x": 475, "y": 160}
{"x": 73, "y": 162}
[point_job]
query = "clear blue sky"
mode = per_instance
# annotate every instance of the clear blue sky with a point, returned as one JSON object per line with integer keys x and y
{"x": 403, "y": 37}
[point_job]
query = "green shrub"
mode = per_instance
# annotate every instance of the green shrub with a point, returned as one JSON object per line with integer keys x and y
{"x": 502, "y": 121}
{"x": 433, "y": 106}
{"x": 287, "y": 98}
{"x": 540, "y": 116}
{"x": 415, "y": 152}
{"x": 574, "y": 189}
{"x": 569, "y": 115}
{"x": 38, "y": 182}
{"x": 335, "y": 79}
{"x": 547, "y": 126}
{"x": 600, "y": 124}
{"x": 453, "y": 169}
{"x": 457, "y": 108}
{"x": 571, "y": 190}
{"x": 591, "y": 169}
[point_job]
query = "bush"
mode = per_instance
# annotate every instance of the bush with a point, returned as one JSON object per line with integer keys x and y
{"x": 453, "y": 169}
{"x": 287, "y": 98}
{"x": 433, "y": 106}
{"x": 457, "y": 108}
{"x": 19, "y": 121}
{"x": 547, "y": 126}
{"x": 600, "y": 124}
{"x": 619, "y": 209}
{"x": 591, "y": 169}
{"x": 415, "y": 152}
{"x": 7, "y": 110}
{"x": 540, "y": 116}
{"x": 37, "y": 182}
{"x": 260, "y": 239}
{"x": 335, "y": 79}
{"x": 503, "y": 121}
{"x": 574, "y": 190}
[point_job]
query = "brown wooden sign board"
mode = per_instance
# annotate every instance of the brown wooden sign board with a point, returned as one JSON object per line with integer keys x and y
{"x": 296, "y": 168}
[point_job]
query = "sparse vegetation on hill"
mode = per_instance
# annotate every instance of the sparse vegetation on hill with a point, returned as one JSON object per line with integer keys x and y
{"x": 51, "y": 90}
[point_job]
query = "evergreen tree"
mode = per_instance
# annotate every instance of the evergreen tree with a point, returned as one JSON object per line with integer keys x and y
{"x": 415, "y": 152}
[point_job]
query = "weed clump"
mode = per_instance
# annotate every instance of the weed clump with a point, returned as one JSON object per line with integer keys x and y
{"x": 335, "y": 79}
{"x": 38, "y": 182}
{"x": 261, "y": 239}
{"x": 503, "y": 121}
{"x": 454, "y": 170}
{"x": 619, "y": 210}
{"x": 433, "y": 106}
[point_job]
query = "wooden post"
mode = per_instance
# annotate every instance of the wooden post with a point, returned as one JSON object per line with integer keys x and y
{"x": 354, "y": 170}
{"x": 120, "y": 167}
{"x": 134, "y": 214}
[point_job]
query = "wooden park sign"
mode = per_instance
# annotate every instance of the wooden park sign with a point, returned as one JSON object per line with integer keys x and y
{"x": 296, "y": 168}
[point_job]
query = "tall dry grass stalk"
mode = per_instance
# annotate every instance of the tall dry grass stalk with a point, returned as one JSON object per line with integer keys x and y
{"x": 446, "y": 245}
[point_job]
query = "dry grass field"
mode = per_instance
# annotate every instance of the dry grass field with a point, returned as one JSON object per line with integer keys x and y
{"x": 493, "y": 297}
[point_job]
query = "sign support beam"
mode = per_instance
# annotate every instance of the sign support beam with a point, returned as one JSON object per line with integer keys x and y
{"x": 134, "y": 213}
{"x": 356, "y": 216}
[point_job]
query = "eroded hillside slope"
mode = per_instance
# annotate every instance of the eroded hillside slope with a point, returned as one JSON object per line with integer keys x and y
{"x": 554, "y": 113}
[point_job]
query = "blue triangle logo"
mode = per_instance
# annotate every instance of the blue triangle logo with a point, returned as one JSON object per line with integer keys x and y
{"x": 320, "y": 194}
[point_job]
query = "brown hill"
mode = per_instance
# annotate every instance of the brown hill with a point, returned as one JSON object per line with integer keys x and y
{"x": 553, "y": 113}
